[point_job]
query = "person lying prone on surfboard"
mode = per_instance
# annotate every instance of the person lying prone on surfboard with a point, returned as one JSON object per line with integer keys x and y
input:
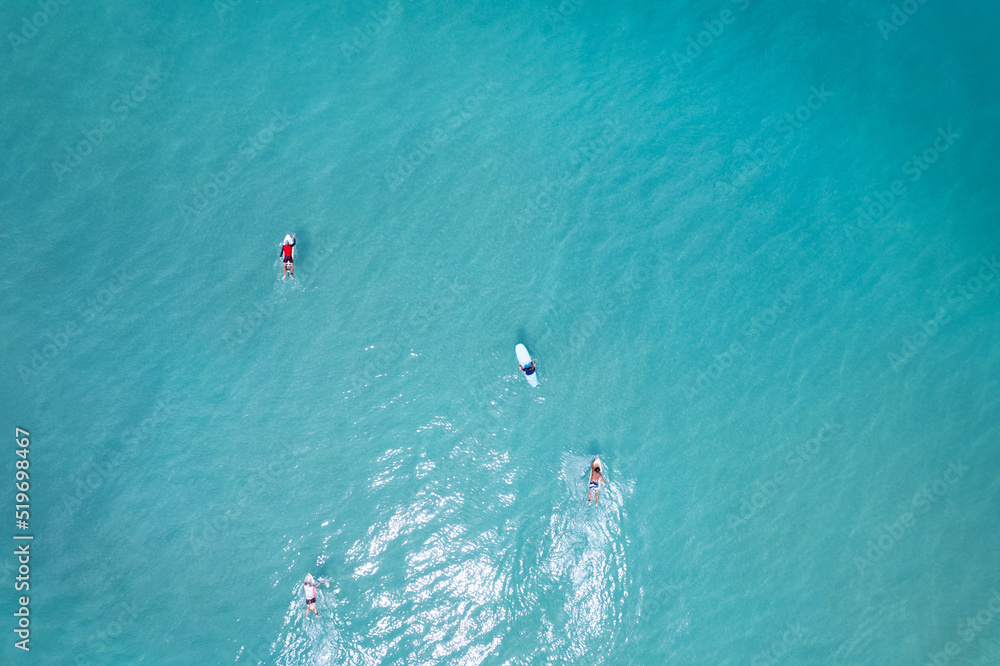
{"x": 287, "y": 260}
{"x": 309, "y": 587}
{"x": 529, "y": 369}
{"x": 595, "y": 478}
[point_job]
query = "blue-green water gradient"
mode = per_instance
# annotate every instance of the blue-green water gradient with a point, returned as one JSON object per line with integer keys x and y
{"x": 752, "y": 245}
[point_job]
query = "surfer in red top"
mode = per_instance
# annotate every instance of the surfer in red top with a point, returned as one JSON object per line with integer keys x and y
{"x": 286, "y": 258}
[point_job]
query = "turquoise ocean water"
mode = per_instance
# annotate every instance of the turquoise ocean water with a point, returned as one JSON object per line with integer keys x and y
{"x": 752, "y": 245}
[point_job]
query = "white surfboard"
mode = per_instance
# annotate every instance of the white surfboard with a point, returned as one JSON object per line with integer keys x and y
{"x": 524, "y": 360}
{"x": 288, "y": 241}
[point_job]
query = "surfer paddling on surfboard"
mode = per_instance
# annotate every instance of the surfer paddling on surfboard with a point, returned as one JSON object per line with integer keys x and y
{"x": 526, "y": 364}
{"x": 595, "y": 479}
{"x": 309, "y": 587}
{"x": 288, "y": 256}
